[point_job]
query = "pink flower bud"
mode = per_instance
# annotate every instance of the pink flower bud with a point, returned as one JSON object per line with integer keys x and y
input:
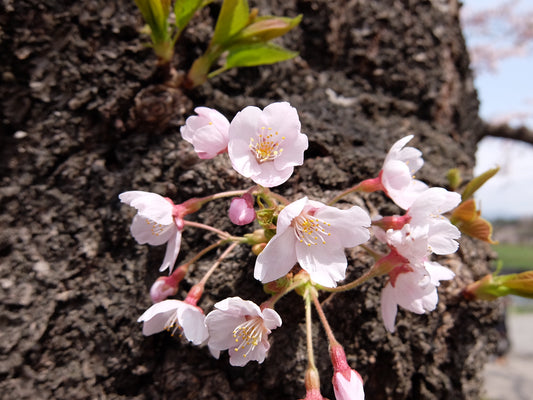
{"x": 347, "y": 383}
{"x": 241, "y": 210}
{"x": 166, "y": 286}
{"x": 348, "y": 386}
{"x": 160, "y": 290}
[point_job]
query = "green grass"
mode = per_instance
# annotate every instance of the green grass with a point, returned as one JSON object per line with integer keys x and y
{"x": 515, "y": 256}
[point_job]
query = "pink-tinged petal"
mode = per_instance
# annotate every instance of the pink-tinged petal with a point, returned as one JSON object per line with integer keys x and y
{"x": 442, "y": 237}
{"x": 411, "y": 288}
{"x": 156, "y": 317}
{"x": 290, "y": 212}
{"x": 326, "y": 266}
{"x": 431, "y": 202}
{"x": 171, "y": 253}
{"x": 348, "y": 226}
{"x": 405, "y": 197}
{"x": 348, "y": 389}
{"x": 277, "y": 258}
{"x": 293, "y": 152}
{"x": 389, "y": 307}
{"x": 438, "y": 273}
{"x": 149, "y": 205}
{"x": 208, "y": 142}
{"x": 409, "y": 155}
{"x": 430, "y": 300}
{"x": 214, "y": 116}
{"x": 272, "y": 318}
{"x": 397, "y": 146}
{"x": 258, "y": 353}
{"x": 147, "y": 231}
{"x": 395, "y": 175}
{"x": 282, "y": 117}
{"x": 269, "y": 176}
{"x": 192, "y": 320}
{"x": 238, "y": 307}
{"x": 220, "y": 327}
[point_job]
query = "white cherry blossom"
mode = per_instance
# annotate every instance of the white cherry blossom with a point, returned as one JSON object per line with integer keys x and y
{"x": 175, "y": 315}
{"x": 155, "y": 223}
{"x": 242, "y": 328}
{"x": 315, "y": 236}
{"x": 397, "y": 174}
{"x": 413, "y": 288}
{"x": 266, "y": 145}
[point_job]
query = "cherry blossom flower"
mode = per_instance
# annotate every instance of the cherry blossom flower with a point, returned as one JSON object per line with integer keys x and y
{"x": 347, "y": 383}
{"x": 399, "y": 167}
{"x": 315, "y": 236}
{"x": 155, "y": 223}
{"x": 207, "y": 132}
{"x": 241, "y": 210}
{"x": 412, "y": 287}
{"x": 242, "y": 328}
{"x": 175, "y": 315}
{"x": 266, "y": 145}
{"x": 424, "y": 228}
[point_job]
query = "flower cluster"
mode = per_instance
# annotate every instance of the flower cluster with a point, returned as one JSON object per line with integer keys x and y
{"x": 300, "y": 245}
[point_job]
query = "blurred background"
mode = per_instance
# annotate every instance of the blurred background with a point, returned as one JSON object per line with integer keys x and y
{"x": 499, "y": 35}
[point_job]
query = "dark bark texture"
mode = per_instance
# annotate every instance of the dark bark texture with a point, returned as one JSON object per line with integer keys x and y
{"x": 83, "y": 118}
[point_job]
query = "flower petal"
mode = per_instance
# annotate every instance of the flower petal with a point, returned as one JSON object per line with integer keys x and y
{"x": 172, "y": 251}
{"x": 149, "y": 205}
{"x": 389, "y": 307}
{"x": 326, "y": 266}
{"x": 147, "y": 231}
{"x": 157, "y": 316}
{"x": 277, "y": 258}
{"x": 192, "y": 320}
{"x": 348, "y": 226}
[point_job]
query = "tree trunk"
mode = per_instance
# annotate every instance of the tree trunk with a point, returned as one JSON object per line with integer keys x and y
{"x": 78, "y": 128}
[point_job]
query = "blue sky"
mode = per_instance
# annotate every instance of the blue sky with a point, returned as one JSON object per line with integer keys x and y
{"x": 506, "y": 91}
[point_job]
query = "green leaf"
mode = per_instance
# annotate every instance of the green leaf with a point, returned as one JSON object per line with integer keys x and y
{"x": 477, "y": 182}
{"x": 184, "y": 11}
{"x": 257, "y": 54}
{"x": 266, "y": 28}
{"x": 232, "y": 18}
{"x": 155, "y": 13}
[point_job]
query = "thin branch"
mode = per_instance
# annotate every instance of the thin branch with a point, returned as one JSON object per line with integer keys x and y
{"x": 521, "y": 133}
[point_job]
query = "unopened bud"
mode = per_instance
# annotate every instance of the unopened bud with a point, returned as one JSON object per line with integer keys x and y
{"x": 347, "y": 383}
{"x": 258, "y": 248}
{"x": 160, "y": 290}
{"x": 241, "y": 210}
{"x": 490, "y": 287}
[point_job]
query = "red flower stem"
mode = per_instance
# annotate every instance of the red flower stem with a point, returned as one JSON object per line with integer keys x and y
{"x": 202, "y": 252}
{"x": 329, "y": 333}
{"x": 222, "y": 234}
{"x": 216, "y": 264}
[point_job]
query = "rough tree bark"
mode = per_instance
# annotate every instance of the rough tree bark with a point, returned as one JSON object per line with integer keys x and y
{"x": 76, "y": 87}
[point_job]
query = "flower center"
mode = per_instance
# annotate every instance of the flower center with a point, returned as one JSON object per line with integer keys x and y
{"x": 310, "y": 230}
{"x": 266, "y": 146}
{"x": 172, "y": 325}
{"x": 157, "y": 229}
{"x": 249, "y": 334}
